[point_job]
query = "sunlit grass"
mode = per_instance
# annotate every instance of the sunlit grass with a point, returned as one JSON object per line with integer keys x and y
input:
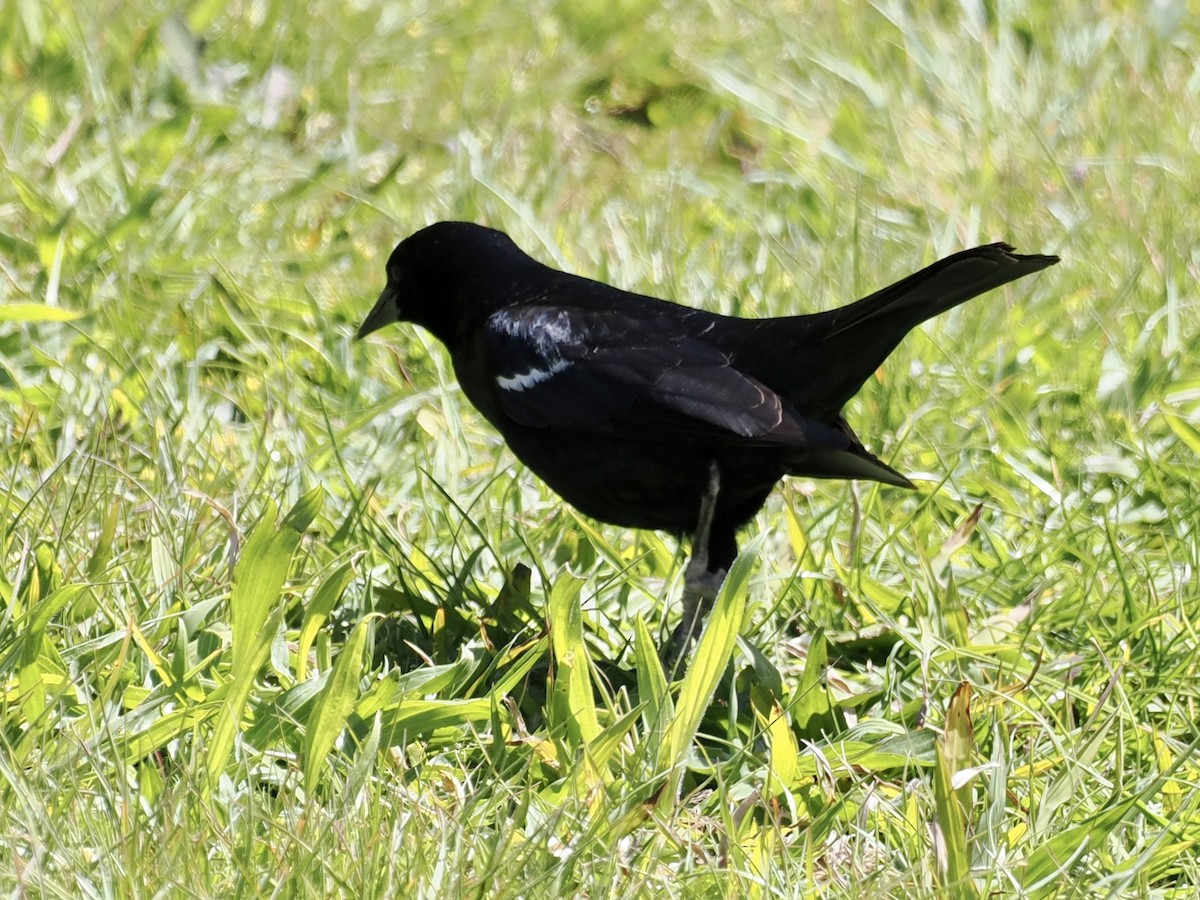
{"x": 275, "y": 603}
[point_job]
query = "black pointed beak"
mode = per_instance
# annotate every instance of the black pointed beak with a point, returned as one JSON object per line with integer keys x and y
{"x": 385, "y": 312}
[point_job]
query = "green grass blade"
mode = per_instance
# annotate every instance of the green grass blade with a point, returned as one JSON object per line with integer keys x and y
{"x": 235, "y": 694}
{"x": 1053, "y": 859}
{"x": 572, "y": 704}
{"x": 259, "y": 575}
{"x": 813, "y": 710}
{"x": 958, "y": 743}
{"x": 709, "y": 661}
{"x": 257, "y": 614}
{"x": 653, "y": 689}
{"x": 317, "y": 610}
{"x": 35, "y": 312}
{"x": 333, "y": 705}
{"x": 412, "y": 719}
{"x": 950, "y": 834}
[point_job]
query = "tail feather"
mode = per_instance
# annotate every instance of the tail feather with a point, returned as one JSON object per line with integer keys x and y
{"x": 834, "y": 352}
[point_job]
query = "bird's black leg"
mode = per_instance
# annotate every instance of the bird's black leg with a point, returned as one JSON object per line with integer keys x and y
{"x": 700, "y": 586}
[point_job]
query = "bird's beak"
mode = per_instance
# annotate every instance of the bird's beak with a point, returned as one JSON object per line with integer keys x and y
{"x": 385, "y": 312}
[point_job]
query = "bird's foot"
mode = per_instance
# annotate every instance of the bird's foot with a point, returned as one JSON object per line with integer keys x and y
{"x": 700, "y": 586}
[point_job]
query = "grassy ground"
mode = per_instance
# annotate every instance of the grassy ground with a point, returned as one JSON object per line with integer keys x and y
{"x": 274, "y": 605}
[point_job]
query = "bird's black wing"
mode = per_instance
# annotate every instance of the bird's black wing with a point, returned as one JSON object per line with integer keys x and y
{"x": 560, "y": 367}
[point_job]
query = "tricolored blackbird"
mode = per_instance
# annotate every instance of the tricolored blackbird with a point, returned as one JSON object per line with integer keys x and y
{"x": 648, "y": 414}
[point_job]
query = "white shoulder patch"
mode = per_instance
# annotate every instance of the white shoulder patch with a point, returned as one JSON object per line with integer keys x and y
{"x": 526, "y": 380}
{"x": 545, "y": 329}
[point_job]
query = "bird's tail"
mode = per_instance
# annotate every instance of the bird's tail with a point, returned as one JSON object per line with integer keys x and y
{"x": 837, "y": 350}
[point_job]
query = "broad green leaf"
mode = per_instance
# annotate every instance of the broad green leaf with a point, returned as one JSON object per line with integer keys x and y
{"x": 653, "y": 688}
{"x": 159, "y": 731}
{"x": 364, "y": 760}
{"x": 32, "y": 658}
{"x": 256, "y": 614}
{"x": 317, "y": 610}
{"x": 573, "y": 703}
{"x": 990, "y": 839}
{"x": 259, "y": 575}
{"x": 413, "y": 719}
{"x": 601, "y": 751}
{"x": 528, "y": 657}
{"x": 1066, "y": 786}
{"x": 950, "y": 835}
{"x": 1185, "y": 431}
{"x": 783, "y": 753}
{"x": 102, "y": 552}
{"x": 849, "y": 757}
{"x": 953, "y": 616}
{"x": 812, "y": 709}
{"x": 333, "y": 705}
{"x": 1052, "y": 861}
{"x": 236, "y": 693}
{"x": 35, "y": 312}
{"x": 708, "y": 664}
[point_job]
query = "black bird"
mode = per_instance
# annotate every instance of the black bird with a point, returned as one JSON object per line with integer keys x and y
{"x": 647, "y": 414}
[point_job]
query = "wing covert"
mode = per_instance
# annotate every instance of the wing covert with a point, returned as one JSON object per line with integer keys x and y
{"x": 557, "y": 367}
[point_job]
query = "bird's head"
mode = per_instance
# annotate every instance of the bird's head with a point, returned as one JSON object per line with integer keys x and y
{"x": 442, "y": 277}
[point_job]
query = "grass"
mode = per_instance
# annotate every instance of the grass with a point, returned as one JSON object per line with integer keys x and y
{"x": 279, "y": 614}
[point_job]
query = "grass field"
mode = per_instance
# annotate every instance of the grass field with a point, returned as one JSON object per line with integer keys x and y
{"x": 279, "y": 613}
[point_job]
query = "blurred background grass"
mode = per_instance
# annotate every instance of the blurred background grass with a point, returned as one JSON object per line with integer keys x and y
{"x": 195, "y": 209}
